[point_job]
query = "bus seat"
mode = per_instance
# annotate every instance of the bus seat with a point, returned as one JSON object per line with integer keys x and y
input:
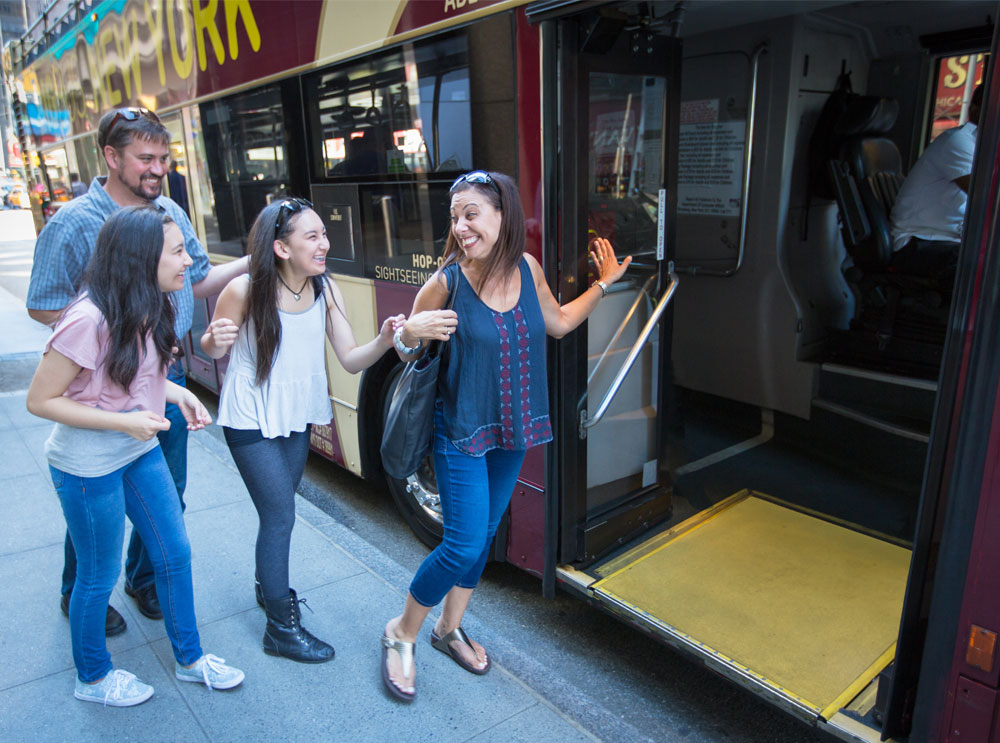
{"x": 866, "y": 178}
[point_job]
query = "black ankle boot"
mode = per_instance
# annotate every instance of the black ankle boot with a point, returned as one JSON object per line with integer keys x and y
{"x": 285, "y": 636}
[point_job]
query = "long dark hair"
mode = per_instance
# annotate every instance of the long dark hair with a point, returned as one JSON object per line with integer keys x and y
{"x": 122, "y": 282}
{"x": 510, "y": 241}
{"x": 275, "y": 222}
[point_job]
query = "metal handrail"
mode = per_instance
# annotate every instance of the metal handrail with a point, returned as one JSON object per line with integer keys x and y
{"x": 621, "y": 328}
{"x": 585, "y": 421}
{"x": 696, "y": 270}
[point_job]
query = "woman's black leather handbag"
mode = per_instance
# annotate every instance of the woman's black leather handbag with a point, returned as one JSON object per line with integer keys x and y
{"x": 409, "y": 425}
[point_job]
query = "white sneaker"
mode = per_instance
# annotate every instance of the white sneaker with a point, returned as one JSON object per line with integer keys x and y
{"x": 212, "y": 671}
{"x": 119, "y": 689}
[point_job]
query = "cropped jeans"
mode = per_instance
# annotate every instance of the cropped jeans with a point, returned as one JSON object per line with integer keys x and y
{"x": 95, "y": 510}
{"x": 475, "y": 492}
{"x": 173, "y": 443}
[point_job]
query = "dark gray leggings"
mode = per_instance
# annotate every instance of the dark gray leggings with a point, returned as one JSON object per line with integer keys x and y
{"x": 271, "y": 470}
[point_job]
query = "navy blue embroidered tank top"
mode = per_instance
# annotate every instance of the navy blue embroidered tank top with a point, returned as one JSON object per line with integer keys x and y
{"x": 492, "y": 387}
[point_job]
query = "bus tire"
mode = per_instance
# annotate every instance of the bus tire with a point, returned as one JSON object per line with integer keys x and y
{"x": 416, "y": 497}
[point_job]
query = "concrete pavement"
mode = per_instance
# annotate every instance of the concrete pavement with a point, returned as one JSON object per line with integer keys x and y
{"x": 352, "y": 587}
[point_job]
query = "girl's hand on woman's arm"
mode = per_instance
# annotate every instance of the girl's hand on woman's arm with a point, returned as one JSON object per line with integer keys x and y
{"x": 389, "y": 329}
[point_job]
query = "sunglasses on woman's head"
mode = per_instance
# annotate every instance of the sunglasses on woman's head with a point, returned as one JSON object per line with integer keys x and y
{"x": 289, "y": 206}
{"x": 133, "y": 113}
{"x": 475, "y": 176}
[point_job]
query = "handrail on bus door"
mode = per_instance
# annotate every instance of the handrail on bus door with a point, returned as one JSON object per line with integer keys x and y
{"x": 694, "y": 268}
{"x": 587, "y": 422}
{"x": 621, "y": 329}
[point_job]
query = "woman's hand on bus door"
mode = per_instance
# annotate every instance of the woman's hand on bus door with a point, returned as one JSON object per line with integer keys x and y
{"x": 609, "y": 270}
{"x": 219, "y": 337}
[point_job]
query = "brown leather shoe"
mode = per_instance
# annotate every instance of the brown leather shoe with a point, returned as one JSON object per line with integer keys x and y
{"x": 146, "y": 600}
{"x": 114, "y": 623}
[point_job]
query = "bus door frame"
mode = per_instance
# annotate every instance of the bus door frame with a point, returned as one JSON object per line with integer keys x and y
{"x": 565, "y": 184}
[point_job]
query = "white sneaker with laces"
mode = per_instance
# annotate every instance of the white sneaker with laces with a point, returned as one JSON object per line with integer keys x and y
{"x": 118, "y": 689}
{"x": 212, "y": 671}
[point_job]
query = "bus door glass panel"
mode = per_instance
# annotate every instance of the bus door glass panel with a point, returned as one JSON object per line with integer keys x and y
{"x": 57, "y": 174}
{"x": 85, "y": 160}
{"x": 202, "y": 202}
{"x": 176, "y": 186}
{"x": 625, "y": 138}
{"x": 247, "y": 167}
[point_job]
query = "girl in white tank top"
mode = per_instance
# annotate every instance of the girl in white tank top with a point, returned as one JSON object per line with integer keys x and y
{"x": 274, "y": 321}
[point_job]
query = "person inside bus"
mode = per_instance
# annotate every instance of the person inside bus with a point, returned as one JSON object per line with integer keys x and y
{"x": 929, "y": 211}
{"x": 492, "y": 401}
{"x": 135, "y": 146}
{"x": 103, "y": 380}
{"x": 275, "y": 322}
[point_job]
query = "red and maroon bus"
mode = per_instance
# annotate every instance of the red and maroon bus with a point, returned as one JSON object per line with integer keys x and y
{"x": 773, "y": 450}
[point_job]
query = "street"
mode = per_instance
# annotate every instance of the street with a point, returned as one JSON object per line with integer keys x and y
{"x": 596, "y": 677}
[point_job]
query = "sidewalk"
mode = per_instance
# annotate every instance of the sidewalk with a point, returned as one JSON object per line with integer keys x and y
{"x": 352, "y": 587}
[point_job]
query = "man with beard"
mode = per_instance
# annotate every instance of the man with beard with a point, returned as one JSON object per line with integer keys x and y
{"x": 136, "y": 147}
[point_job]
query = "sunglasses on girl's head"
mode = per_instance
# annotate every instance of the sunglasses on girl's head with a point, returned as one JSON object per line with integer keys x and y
{"x": 476, "y": 176}
{"x": 289, "y": 206}
{"x": 131, "y": 114}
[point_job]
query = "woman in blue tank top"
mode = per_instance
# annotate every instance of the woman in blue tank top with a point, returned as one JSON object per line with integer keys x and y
{"x": 492, "y": 402}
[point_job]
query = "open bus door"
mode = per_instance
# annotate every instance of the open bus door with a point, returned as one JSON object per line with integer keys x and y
{"x": 618, "y": 123}
{"x": 792, "y": 605}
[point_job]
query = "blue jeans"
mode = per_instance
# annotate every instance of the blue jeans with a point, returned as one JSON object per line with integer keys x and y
{"x": 173, "y": 443}
{"x": 95, "y": 510}
{"x": 475, "y": 492}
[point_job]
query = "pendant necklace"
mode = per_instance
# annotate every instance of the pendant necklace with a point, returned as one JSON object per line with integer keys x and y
{"x": 296, "y": 294}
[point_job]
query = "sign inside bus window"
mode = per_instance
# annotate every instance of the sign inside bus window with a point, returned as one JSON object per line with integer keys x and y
{"x": 709, "y": 161}
{"x": 157, "y": 53}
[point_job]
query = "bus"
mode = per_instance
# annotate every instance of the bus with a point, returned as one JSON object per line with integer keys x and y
{"x": 773, "y": 451}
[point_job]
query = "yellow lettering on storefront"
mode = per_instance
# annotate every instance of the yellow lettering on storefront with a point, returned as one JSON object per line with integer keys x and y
{"x": 94, "y": 74}
{"x": 105, "y": 37}
{"x": 242, "y": 7}
{"x": 155, "y": 23}
{"x": 204, "y": 20}
{"x": 128, "y": 54}
{"x": 183, "y": 65}
{"x": 958, "y": 72}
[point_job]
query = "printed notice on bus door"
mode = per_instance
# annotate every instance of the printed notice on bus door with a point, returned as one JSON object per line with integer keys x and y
{"x": 709, "y": 161}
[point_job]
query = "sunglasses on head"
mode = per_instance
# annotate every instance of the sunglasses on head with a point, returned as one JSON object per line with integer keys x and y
{"x": 289, "y": 206}
{"x": 475, "y": 176}
{"x": 133, "y": 113}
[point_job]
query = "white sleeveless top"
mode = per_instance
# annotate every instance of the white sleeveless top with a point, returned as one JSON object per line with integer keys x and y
{"x": 296, "y": 392}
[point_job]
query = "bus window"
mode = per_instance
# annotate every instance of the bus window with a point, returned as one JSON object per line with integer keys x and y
{"x": 404, "y": 112}
{"x": 244, "y": 151}
{"x": 956, "y": 77}
{"x": 89, "y": 162}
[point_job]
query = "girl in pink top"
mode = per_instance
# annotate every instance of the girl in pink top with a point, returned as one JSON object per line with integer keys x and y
{"x": 103, "y": 381}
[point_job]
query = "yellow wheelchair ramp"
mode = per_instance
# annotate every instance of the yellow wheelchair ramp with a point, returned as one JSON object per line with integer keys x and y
{"x": 801, "y": 606}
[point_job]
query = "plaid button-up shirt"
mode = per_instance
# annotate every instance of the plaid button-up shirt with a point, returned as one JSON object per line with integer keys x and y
{"x": 64, "y": 247}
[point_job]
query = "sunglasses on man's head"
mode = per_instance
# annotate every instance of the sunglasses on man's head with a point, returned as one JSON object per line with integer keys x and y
{"x": 291, "y": 205}
{"x": 133, "y": 113}
{"x": 475, "y": 176}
